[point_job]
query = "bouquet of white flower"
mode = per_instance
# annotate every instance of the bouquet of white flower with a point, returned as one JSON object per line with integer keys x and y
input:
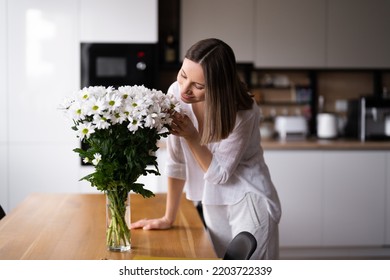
{"x": 121, "y": 128}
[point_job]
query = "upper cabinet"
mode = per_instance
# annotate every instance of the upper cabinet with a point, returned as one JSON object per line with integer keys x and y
{"x": 358, "y": 33}
{"x": 294, "y": 33}
{"x": 322, "y": 33}
{"x": 228, "y": 20}
{"x": 290, "y": 33}
{"x": 123, "y": 21}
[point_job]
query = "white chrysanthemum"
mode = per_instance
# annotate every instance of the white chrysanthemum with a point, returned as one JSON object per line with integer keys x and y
{"x": 102, "y": 121}
{"x": 94, "y": 106}
{"x": 119, "y": 117}
{"x": 66, "y": 103}
{"x": 99, "y": 91}
{"x": 134, "y": 124}
{"x": 136, "y": 106}
{"x": 85, "y": 130}
{"x": 150, "y": 120}
{"x": 96, "y": 158}
{"x": 113, "y": 101}
{"x": 76, "y": 112}
{"x": 83, "y": 94}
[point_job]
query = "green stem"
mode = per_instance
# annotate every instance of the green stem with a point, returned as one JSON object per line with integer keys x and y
{"x": 118, "y": 233}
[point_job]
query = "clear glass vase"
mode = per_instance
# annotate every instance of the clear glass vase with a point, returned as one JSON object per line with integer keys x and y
{"x": 118, "y": 234}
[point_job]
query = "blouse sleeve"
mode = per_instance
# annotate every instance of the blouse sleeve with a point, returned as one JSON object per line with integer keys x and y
{"x": 176, "y": 167}
{"x": 230, "y": 151}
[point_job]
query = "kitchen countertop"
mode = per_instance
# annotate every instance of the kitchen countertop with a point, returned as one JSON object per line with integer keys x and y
{"x": 317, "y": 144}
{"x": 320, "y": 144}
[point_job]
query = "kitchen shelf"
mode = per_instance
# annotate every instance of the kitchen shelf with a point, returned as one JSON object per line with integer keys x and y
{"x": 284, "y": 103}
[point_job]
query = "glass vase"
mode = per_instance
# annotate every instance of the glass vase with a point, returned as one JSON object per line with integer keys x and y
{"x": 118, "y": 234}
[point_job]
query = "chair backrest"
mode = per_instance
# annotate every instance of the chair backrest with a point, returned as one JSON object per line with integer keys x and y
{"x": 241, "y": 247}
{"x": 2, "y": 213}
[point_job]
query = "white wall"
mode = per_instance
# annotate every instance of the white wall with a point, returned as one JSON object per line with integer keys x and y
{"x": 39, "y": 66}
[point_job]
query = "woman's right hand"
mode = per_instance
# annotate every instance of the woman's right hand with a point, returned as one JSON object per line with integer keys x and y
{"x": 147, "y": 224}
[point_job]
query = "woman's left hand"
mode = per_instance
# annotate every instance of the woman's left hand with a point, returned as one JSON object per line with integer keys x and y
{"x": 182, "y": 126}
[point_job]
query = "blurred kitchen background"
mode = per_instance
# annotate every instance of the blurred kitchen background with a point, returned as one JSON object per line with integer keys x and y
{"x": 318, "y": 69}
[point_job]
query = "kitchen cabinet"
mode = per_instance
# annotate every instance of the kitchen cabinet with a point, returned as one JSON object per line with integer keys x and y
{"x": 295, "y": 33}
{"x": 322, "y": 33}
{"x": 119, "y": 21}
{"x": 290, "y": 33}
{"x": 387, "y": 215}
{"x": 3, "y": 72}
{"x": 228, "y": 20}
{"x": 354, "y": 195}
{"x": 3, "y": 107}
{"x": 3, "y": 176}
{"x": 332, "y": 198}
{"x": 297, "y": 178}
{"x": 43, "y": 46}
{"x": 358, "y": 34}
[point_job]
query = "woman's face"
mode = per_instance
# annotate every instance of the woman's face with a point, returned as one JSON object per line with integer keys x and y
{"x": 191, "y": 81}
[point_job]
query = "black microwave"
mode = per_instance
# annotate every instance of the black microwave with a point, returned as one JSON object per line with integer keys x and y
{"x": 118, "y": 64}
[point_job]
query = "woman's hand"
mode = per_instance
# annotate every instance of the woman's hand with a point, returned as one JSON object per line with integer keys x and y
{"x": 147, "y": 224}
{"x": 182, "y": 126}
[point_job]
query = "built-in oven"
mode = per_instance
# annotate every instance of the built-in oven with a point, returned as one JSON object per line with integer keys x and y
{"x": 118, "y": 64}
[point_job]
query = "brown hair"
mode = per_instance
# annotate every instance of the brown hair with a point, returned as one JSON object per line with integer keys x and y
{"x": 225, "y": 92}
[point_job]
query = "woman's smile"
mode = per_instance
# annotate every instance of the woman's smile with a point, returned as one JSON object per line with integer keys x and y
{"x": 191, "y": 82}
{"x": 186, "y": 97}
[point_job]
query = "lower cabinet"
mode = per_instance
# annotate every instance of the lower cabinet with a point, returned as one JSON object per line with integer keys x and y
{"x": 297, "y": 178}
{"x": 354, "y": 198}
{"x": 332, "y": 198}
{"x": 387, "y": 235}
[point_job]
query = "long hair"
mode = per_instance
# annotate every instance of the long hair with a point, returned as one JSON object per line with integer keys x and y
{"x": 225, "y": 92}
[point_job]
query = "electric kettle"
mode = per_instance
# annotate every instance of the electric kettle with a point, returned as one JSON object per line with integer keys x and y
{"x": 327, "y": 127}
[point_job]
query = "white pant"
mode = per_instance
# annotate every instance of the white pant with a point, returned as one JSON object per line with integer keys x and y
{"x": 249, "y": 214}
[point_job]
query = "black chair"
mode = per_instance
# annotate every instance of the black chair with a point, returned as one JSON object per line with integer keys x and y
{"x": 241, "y": 247}
{"x": 2, "y": 213}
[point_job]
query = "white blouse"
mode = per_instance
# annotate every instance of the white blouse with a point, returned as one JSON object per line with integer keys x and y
{"x": 237, "y": 166}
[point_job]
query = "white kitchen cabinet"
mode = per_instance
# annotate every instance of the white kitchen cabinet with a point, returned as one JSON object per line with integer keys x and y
{"x": 297, "y": 177}
{"x": 43, "y": 63}
{"x": 228, "y": 20}
{"x": 290, "y": 33}
{"x": 358, "y": 33}
{"x": 332, "y": 198}
{"x": 3, "y": 176}
{"x": 354, "y": 195}
{"x": 43, "y": 55}
{"x": 3, "y": 72}
{"x": 387, "y": 215}
{"x": 3, "y": 107}
{"x": 44, "y": 167}
{"x": 119, "y": 21}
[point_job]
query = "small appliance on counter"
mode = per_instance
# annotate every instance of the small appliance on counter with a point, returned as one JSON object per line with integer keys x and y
{"x": 327, "y": 126}
{"x": 369, "y": 119}
{"x": 291, "y": 127}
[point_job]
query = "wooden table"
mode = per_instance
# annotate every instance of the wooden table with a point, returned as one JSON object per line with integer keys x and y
{"x": 72, "y": 226}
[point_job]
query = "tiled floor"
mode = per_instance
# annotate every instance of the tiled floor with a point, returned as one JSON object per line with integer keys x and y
{"x": 336, "y": 253}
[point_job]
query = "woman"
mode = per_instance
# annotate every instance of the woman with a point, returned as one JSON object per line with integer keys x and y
{"x": 214, "y": 151}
